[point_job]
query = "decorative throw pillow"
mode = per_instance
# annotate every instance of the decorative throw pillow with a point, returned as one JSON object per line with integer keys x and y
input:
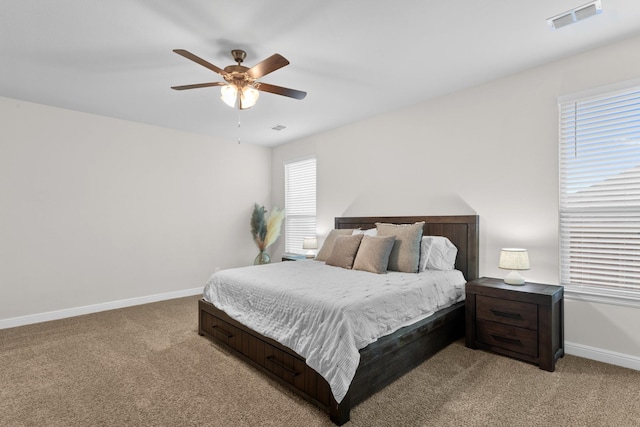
{"x": 344, "y": 251}
{"x": 373, "y": 254}
{"x": 437, "y": 253}
{"x": 327, "y": 246}
{"x": 405, "y": 254}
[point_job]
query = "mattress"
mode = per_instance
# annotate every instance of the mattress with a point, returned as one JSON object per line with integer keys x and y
{"x": 325, "y": 313}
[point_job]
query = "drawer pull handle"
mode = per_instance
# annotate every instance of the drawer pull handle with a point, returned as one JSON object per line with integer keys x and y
{"x": 284, "y": 368}
{"x": 507, "y": 315}
{"x": 221, "y": 331}
{"x": 505, "y": 339}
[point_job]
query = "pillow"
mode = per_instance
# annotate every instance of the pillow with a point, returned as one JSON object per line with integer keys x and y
{"x": 373, "y": 254}
{"x": 437, "y": 253}
{"x": 327, "y": 246}
{"x": 369, "y": 232}
{"x": 344, "y": 251}
{"x": 405, "y": 255}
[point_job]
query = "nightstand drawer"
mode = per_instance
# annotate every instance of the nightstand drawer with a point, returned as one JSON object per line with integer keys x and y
{"x": 520, "y": 340}
{"x": 514, "y": 313}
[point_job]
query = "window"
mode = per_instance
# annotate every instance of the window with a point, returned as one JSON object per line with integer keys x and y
{"x": 600, "y": 193}
{"x": 300, "y": 203}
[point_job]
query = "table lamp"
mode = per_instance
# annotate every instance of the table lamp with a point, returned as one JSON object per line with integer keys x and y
{"x": 514, "y": 259}
{"x": 310, "y": 243}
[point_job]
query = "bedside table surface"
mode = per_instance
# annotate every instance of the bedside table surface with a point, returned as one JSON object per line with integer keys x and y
{"x": 490, "y": 286}
{"x": 293, "y": 257}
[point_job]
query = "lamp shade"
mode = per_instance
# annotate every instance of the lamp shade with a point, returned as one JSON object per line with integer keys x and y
{"x": 248, "y": 97}
{"x": 228, "y": 94}
{"x": 514, "y": 259}
{"x": 310, "y": 243}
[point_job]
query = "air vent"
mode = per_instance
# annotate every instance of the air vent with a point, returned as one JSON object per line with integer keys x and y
{"x": 575, "y": 15}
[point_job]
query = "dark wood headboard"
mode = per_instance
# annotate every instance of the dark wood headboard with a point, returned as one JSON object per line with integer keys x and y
{"x": 461, "y": 230}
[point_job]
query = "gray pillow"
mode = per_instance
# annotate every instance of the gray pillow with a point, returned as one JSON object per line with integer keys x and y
{"x": 344, "y": 251}
{"x": 405, "y": 255}
{"x": 327, "y": 246}
{"x": 373, "y": 254}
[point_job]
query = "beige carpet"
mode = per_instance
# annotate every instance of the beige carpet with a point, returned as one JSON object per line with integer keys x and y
{"x": 147, "y": 366}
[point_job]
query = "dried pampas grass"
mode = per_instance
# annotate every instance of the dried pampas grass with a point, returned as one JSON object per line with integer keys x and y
{"x": 266, "y": 230}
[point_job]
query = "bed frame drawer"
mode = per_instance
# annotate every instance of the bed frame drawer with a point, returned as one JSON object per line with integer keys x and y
{"x": 222, "y": 331}
{"x": 282, "y": 363}
{"x": 290, "y": 368}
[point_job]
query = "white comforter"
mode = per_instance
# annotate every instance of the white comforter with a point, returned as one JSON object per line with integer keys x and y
{"x": 326, "y": 314}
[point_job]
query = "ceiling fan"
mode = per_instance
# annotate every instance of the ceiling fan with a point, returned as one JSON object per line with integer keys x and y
{"x": 240, "y": 88}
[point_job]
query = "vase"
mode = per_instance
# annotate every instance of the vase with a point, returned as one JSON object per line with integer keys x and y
{"x": 262, "y": 258}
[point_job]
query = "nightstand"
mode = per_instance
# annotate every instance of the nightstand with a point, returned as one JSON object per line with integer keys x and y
{"x": 524, "y": 322}
{"x": 293, "y": 257}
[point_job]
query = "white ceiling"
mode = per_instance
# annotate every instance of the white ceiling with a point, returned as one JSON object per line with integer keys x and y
{"x": 354, "y": 58}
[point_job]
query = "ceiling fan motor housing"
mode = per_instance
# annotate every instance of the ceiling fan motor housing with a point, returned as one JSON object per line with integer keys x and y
{"x": 238, "y": 55}
{"x": 237, "y": 75}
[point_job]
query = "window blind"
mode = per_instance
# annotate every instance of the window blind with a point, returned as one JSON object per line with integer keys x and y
{"x": 600, "y": 191}
{"x": 300, "y": 203}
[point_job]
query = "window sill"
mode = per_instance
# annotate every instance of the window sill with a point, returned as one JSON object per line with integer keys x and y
{"x": 627, "y": 298}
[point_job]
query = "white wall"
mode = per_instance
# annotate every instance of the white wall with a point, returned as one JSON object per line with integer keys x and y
{"x": 94, "y": 210}
{"x": 490, "y": 150}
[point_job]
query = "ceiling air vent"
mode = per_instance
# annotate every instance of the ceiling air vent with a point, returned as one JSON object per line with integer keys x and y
{"x": 575, "y": 15}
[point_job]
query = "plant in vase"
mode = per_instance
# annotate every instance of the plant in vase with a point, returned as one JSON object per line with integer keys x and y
{"x": 265, "y": 230}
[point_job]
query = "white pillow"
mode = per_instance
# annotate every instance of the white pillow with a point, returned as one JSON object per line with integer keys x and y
{"x": 437, "y": 253}
{"x": 373, "y": 232}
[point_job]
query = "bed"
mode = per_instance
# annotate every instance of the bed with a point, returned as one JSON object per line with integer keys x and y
{"x": 380, "y": 362}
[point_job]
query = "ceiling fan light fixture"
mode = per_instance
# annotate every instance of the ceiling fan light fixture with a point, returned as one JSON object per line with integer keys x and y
{"x": 248, "y": 97}
{"x": 229, "y": 93}
{"x": 243, "y": 98}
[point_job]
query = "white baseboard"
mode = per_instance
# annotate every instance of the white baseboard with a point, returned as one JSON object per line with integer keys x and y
{"x": 601, "y": 355}
{"x": 94, "y": 308}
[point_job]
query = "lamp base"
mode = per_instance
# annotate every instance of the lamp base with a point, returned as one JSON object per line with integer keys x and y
{"x": 514, "y": 278}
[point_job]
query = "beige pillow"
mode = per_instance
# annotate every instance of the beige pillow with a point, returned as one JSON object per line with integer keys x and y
{"x": 327, "y": 246}
{"x": 344, "y": 251}
{"x": 373, "y": 254}
{"x": 405, "y": 255}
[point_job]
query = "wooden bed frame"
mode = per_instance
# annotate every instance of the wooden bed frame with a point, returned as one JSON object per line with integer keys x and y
{"x": 381, "y": 362}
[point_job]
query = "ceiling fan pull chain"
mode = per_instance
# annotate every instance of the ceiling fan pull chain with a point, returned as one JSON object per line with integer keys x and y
{"x": 239, "y": 127}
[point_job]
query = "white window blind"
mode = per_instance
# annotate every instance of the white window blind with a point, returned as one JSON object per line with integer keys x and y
{"x": 600, "y": 191}
{"x": 300, "y": 203}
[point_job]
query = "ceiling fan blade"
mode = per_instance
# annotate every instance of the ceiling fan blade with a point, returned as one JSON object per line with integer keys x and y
{"x": 200, "y": 61}
{"x": 279, "y": 90}
{"x": 198, "y": 85}
{"x": 269, "y": 65}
